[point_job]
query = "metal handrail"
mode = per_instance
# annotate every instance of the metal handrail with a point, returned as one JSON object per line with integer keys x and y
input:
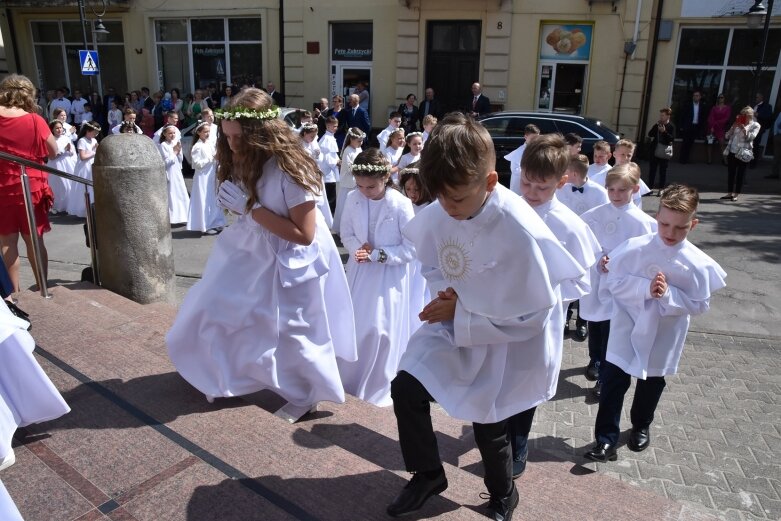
{"x": 29, "y": 208}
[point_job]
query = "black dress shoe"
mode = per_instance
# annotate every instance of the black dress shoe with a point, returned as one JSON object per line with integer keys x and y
{"x": 581, "y": 332}
{"x": 639, "y": 439}
{"x": 501, "y": 509}
{"x": 602, "y": 452}
{"x": 416, "y": 492}
{"x": 597, "y": 390}
{"x": 592, "y": 371}
{"x": 566, "y": 329}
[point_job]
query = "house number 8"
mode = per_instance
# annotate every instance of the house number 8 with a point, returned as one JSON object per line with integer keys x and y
{"x": 499, "y": 25}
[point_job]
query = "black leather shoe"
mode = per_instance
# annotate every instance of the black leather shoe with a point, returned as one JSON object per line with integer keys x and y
{"x": 519, "y": 463}
{"x": 566, "y": 329}
{"x": 597, "y": 390}
{"x": 581, "y": 332}
{"x": 639, "y": 439}
{"x": 602, "y": 452}
{"x": 501, "y": 509}
{"x": 592, "y": 371}
{"x": 415, "y": 493}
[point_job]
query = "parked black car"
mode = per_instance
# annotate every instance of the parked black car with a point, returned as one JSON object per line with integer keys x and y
{"x": 506, "y": 129}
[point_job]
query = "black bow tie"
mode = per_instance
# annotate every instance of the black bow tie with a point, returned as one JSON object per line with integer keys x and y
{"x": 576, "y": 189}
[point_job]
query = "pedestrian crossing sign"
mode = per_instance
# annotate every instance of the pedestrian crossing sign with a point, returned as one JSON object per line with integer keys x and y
{"x": 89, "y": 62}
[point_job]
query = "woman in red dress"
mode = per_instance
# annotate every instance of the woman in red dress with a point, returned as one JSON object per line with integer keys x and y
{"x": 25, "y": 134}
{"x": 718, "y": 119}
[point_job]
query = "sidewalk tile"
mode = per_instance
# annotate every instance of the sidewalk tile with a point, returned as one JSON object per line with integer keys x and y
{"x": 719, "y": 464}
{"x": 756, "y": 486}
{"x": 707, "y": 478}
{"x": 668, "y": 472}
{"x": 744, "y": 501}
{"x": 696, "y": 494}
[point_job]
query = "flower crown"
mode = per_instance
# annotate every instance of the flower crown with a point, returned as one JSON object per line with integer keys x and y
{"x": 308, "y": 127}
{"x": 246, "y": 113}
{"x": 413, "y": 134}
{"x": 415, "y": 171}
{"x": 360, "y": 134}
{"x": 369, "y": 168}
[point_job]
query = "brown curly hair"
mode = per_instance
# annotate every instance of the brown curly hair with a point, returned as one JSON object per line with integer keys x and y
{"x": 262, "y": 140}
{"x": 18, "y": 91}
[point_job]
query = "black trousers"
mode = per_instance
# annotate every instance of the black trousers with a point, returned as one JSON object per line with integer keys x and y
{"x": 615, "y": 384}
{"x": 412, "y": 406}
{"x": 520, "y": 427}
{"x": 736, "y": 172}
{"x": 654, "y": 163}
{"x": 330, "y": 194}
{"x": 575, "y": 305}
{"x": 598, "y": 333}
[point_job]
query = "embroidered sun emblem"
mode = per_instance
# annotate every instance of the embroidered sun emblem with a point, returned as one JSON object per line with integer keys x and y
{"x": 454, "y": 260}
{"x": 610, "y": 228}
{"x": 652, "y": 270}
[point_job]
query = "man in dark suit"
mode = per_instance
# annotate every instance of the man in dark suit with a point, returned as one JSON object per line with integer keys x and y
{"x": 763, "y": 114}
{"x": 356, "y": 116}
{"x": 278, "y": 97}
{"x": 429, "y": 105}
{"x": 478, "y": 104}
{"x": 691, "y": 125}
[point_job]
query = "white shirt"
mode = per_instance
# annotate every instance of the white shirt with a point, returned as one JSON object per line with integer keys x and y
{"x": 61, "y": 103}
{"x": 514, "y": 158}
{"x": 77, "y": 109}
{"x": 647, "y": 334}
{"x": 695, "y": 113}
{"x": 382, "y": 138}
{"x": 598, "y": 174}
{"x": 329, "y": 159}
{"x": 593, "y": 195}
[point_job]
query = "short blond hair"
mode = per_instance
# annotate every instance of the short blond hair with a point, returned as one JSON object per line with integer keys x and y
{"x": 579, "y": 164}
{"x": 628, "y": 143}
{"x": 18, "y": 91}
{"x": 680, "y": 198}
{"x": 628, "y": 173}
{"x": 602, "y": 146}
{"x": 429, "y": 119}
{"x": 546, "y": 157}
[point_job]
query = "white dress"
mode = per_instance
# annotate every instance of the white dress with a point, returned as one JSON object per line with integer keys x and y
{"x": 393, "y": 155}
{"x": 204, "y": 214}
{"x": 313, "y": 149}
{"x": 75, "y": 205}
{"x": 380, "y": 292}
{"x": 8, "y": 510}
{"x": 419, "y": 292}
{"x": 494, "y": 359}
{"x": 268, "y": 313}
{"x": 178, "y": 200}
{"x": 515, "y": 158}
{"x": 346, "y": 184}
{"x": 26, "y": 393}
{"x": 406, "y": 160}
{"x": 65, "y": 161}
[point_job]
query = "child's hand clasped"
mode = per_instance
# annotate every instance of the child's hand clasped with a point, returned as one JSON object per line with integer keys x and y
{"x": 659, "y": 286}
{"x": 603, "y": 264}
{"x": 363, "y": 253}
{"x": 441, "y": 308}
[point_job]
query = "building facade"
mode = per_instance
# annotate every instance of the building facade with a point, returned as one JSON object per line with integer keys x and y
{"x": 618, "y": 61}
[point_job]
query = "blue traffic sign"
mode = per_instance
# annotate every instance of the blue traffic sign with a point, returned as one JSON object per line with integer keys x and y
{"x": 89, "y": 62}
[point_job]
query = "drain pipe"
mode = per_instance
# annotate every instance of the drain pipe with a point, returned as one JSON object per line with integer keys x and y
{"x": 629, "y": 50}
{"x": 649, "y": 77}
{"x": 282, "y": 46}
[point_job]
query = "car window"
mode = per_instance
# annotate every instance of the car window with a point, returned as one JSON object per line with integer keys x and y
{"x": 546, "y": 126}
{"x": 497, "y": 127}
{"x": 565, "y": 127}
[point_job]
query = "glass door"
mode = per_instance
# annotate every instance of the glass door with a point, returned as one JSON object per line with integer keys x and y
{"x": 345, "y": 76}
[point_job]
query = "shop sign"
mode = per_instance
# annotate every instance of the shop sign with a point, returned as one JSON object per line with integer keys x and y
{"x": 351, "y": 42}
{"x": 565, "y": 42}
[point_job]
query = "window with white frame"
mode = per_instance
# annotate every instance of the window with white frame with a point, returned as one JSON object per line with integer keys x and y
{"x": 56, "y": 45}
{"x": 723, "y": 60}
{"x": 193, "y": 53}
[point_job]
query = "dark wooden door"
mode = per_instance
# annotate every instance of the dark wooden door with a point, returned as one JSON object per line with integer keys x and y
{"x": 453, "y": 60}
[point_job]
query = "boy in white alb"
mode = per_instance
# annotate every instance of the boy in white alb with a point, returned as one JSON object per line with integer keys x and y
{"x": 429, "y": 122}
{"x": 483, "y": 353}
{"x": 623, "y": 153}
{"x": 657, "y": 282}
{"x": 599, "y": 168}
{"x": 530, "y": 132}
{"x": 612, "y": 223}
{"x": 394, "y": 121}
{"x": 329, "y": 161}
{"x": 580, "y": 194}
{"x": 543, "y": 170}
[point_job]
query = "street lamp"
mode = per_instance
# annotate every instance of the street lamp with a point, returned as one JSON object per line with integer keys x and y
{"x": 754, "y": 18}
{"x": 98, "y": 29}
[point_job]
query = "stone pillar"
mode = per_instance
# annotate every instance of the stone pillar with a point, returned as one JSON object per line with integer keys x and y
{"x": 135, "y": 251}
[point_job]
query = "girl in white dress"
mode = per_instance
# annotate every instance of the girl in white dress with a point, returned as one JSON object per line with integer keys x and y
{"x": 273, "y": 308}
{"x": 70, "y": 130}
{"x": 413, "y": 188}
{"x": 65, "y": 161}
{"x": 378, "y": 272}
{"x": 393, "y": 152}
{"x": 87, "y": 147}
{"x": 171, "y": 150}
{"x": 350, "y": 149}
{"x": 308, "y": 133}
{"x": 414, "y": 142}
{"x": 204, "y": 214}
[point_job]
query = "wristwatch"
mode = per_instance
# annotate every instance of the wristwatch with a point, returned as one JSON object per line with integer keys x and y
{"x": 382, "y": 257}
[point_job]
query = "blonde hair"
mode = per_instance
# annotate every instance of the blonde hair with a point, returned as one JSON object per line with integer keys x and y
{"x": 579, "y": 164}
{"x": 628, "y": 143}
{"x": 429, "y": 119}
{"x": 628, "y": 173}
{"x": 260, "y": 141}
{"x": 546, "y": 157}
{"x": 18, "y": 91}
{"x": 398, "y": 131}
{"x": 602, "y": 146}
{"x": 680, "y": 198}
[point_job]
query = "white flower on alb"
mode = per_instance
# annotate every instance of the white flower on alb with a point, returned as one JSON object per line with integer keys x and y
{"x": 245, "y": 113}
{"x": 369, "y": 168}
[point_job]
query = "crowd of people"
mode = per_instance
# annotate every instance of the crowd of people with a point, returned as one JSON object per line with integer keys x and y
{"x": 423, "y": 310}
